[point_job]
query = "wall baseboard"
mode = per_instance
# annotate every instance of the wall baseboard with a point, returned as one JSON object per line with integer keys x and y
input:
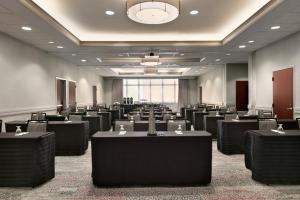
{"x": 21, "y": 111}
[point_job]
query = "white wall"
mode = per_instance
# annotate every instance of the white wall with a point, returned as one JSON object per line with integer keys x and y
{"x": 280, "y": 55}
{"x": 213, "y": 86}
{"x": 107, "y": 87}
{"x": 27, "y": 77}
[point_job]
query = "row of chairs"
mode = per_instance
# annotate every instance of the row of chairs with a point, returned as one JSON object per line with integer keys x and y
{"x": 171, "y": 125}
{"x": 270, "y": 123}
{"x": 137, "y": 117}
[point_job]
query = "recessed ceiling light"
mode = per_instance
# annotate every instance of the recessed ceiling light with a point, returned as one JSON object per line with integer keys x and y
{"x": 218, "y": 59}
{"x": 242, "y": 46}
{"x": 51, "y": 42}
{"x": 182, "y": 54}
{"x": 120, "y": 55}
{"x": 109, "y": 12}
{"x": 26, "y": 28}
{"x": 194, "y": 12}
{"x": 60, "y": 47}
{"x": 228, "y": 54}
{"x": 83, "y": 60}
{"x": 74, "y": 54}
{"x": 251, "y": 41}
{"x": 202, "y": 59}
{"x": 275, "y": 27}
{"x": 99, "y": 60}
{"x": 197, "y": 71}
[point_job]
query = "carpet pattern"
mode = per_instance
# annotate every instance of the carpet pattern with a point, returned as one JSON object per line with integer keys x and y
{"x": 230, "y": 180}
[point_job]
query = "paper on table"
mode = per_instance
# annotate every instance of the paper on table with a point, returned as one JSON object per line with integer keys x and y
{"x": 179, "y": 132}
{"x": 22, "y": 133}
{"x": 277, "y": 131}
{"x": 122, "y": 132}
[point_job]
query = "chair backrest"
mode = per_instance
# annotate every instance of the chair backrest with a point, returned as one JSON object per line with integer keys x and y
{"x": 212, "y": 113}
{"x": 37, "y": 126}
{"x": 265, "y": 114}
{"x": 267, "y": 124}
{"x": 136, "y": 117}
{"x": 38, "y": 116}
{"x": 168, "y": 116}
{"x": 75, "y": 117}
{"x": 0, "y": 125}
{"x": 242, "y": 112}
{"x": 173, "y": 125}
{"x": 298, "y": 120}
{"x": 128, "y": 125}
{"x": 81, "y": 109}
{"x": 92, "y": 113}
{"x": 230, "y": 116}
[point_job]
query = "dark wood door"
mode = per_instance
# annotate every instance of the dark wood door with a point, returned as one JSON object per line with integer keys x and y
{"x": 72, "y": 94}
{"x": 94, "y": 95}
{"x": 283, "y": 93}
{"x": 242, "y": 95}
{"x": 200, "y": 95}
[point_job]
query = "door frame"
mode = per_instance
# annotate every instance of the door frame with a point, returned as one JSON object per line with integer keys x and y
{"x": 65, "y": 91}
{"x": 68, "y": 87}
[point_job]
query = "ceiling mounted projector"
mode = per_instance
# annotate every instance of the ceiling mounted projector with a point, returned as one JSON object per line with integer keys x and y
{"x": 151, "y": 60}
{"x": 153, "y": 11}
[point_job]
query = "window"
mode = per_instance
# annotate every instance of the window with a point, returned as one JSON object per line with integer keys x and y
{"x": 151, "y": 90}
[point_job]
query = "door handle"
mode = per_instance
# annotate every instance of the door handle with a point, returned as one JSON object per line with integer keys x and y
{"x": 291, "y": 108}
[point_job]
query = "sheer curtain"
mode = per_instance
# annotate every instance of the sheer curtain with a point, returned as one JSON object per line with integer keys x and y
{"x": 183, "y": 93}
{"x": 117, "y": 91}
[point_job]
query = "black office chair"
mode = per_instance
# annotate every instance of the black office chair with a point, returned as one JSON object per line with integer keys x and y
{"x": 174, "y": 124}
{"x": 267, "y": 123}
{"x": 75, "y": 117}
{"x": 0, "y": 125}
{"x": 37, "y": 126}
{"x": 230, "y": 116}
{"x": 127, "y": 125}
{"x": 37, "y": 117}
{"x": 298, "y": 120}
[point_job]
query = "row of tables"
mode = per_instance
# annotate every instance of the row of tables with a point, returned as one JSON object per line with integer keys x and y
{"x": 159, "y": 125}
{"x": 71, "y": 136}
{"x": 166, "y": 159}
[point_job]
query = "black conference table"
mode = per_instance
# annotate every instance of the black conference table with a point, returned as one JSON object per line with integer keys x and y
{"x": 71, "y": 136}
{"x": 115, "y": 114}
{"x": 288, "y": 124}
{"x": 146, "y": 117}
{"x": 26, "y": 160}
{"x": 272, "y": 157}
{"x": 106, "y": 120}
{"x": 198, "y": 120}
{"x": 189, "y": 113}
{"x": 231, "y": 135}
{"x": 210, "y": 124}
{"x": 55, "y": 118}
{"x": 94, "y": 123}
{"x": 167, "y": 159}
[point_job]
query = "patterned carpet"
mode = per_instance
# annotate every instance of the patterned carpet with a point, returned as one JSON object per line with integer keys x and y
{"x": 230, "y": 180}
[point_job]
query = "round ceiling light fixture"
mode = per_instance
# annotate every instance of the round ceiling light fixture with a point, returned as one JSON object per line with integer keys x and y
{"x": 153, "y": 11}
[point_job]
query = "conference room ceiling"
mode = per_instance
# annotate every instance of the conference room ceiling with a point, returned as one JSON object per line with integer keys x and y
{"x": 197, "y": 41}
